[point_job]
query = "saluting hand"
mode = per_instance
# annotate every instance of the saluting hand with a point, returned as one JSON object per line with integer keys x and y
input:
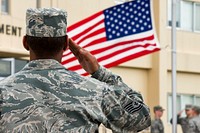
{"x": 85, "y": 58}
{"x": 179, "y": 113}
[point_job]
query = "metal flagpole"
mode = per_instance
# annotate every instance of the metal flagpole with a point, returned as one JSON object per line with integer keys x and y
{"x": 173, "y": 64}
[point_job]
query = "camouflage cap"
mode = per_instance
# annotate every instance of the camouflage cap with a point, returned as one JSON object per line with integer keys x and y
{"x": 46, "y": 22}
{"x": 158, "y": 107}
{"x": 188, "y": 106}
{"x": 196, "y": 109}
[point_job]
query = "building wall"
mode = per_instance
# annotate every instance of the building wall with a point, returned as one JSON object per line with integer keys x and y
{"x": 150, "y": 74}
{"x": 12, "y": 27}
{"x": 187, "y": 64}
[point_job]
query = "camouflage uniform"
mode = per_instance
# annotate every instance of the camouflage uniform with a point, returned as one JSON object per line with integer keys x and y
{"x": 45, "y": 97}
{"x": 194, "y": 124}
{"x": 157, "y": 126}
{"x": 195, "y": 121}
{"x": 184, "y": 122}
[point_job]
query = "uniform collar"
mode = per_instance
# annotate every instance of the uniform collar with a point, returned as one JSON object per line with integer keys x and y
{"x": 43, "y": 64}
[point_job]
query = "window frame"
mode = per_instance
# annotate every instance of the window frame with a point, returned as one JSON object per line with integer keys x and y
{"x": 194, "y": 18}
{"x": 178, "y": 21}
{"x": 11, "y": 68}
{"x": 5, "y": 11}
{"x": 38, "y": 3}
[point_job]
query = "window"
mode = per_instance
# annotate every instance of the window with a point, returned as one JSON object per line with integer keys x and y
{"x": 38, "y": 3}
{"x": 5, "y": 68}
{"x": 9, "y": 66}
{"x": 197, "y": 17}
{"x": 188, "y": 15}
{"x": 182, "y": 100}
{"x": 5, "y": 6}
{"x": 170, "y": 14}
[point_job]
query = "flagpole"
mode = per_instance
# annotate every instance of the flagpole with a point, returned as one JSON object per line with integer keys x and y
{"x": 173, "y": 64}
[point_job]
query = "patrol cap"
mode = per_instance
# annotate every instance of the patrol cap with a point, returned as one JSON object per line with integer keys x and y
{"x": 188, "y": 106}
{"x": 158, "y": 108}
{"x": 46, "y": 22}
{"x": 196, "y": 109}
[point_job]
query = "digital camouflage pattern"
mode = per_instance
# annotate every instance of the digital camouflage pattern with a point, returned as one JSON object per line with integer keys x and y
{"x": 46, "y": 22}
{"x": 44, "y": 97}
{"x": 194, "y": 124}
{"x": 184, "y": 122}
{"x": 157, "y": 126}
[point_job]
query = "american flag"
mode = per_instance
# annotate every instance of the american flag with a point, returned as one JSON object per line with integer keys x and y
{"x": 114, "y": 35}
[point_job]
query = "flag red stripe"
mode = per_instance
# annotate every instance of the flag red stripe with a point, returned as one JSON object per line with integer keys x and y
{"x": 121, "y": 51}
{"x": 109, "y": 47}
{"x": 92, "y": 34}
{"x": 100, "y": 40}
{"x": 111, "y": 55}
{"x": 94, "y": 52}
{"x": 130, "y": 57}
{"x": 122, "y": 44}
{"x": 82, "y": 22}
{"x": 86, "y": 30}
{"x": 69, "y": 60}
{"x": 74, "y": 58}
{"x": 66, "y": 54}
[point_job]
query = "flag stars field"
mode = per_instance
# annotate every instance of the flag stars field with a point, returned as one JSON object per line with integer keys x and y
{"x": 140, "y": 15}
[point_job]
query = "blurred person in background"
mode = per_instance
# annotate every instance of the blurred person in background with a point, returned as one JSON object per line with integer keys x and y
{"x": 194, "y": 122}
{"x": 184, "y": 121}
{"x": 157, "y": 124}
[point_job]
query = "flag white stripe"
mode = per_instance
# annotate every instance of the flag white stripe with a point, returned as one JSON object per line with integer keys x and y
{"x": 72, "y": 63}
{"x": 83, "y": 27}
{"x": 80, "y": 71}
{"x": 115, "y": 49}
{"x": 85, "y": 42}
{"x": 93, "y": 30}
{"x": 112, "y": 50}
{"x": 118, "y": 40}
{"x": 126, "y": 53}
{"x": 108, "y": 43}
{"x": 88, "y": 40}
{"x": 118, "y": 57}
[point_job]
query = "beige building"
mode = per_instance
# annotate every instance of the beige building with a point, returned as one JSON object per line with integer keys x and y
{"x": 150, "y": 74}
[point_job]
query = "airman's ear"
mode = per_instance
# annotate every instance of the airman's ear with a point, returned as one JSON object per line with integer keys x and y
{"x": 66, "y": 44}
{"x": 25, "y": 43}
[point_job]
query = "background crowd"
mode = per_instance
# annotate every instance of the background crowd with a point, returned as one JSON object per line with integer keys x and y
{"x": 189, "y": 124}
